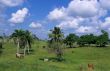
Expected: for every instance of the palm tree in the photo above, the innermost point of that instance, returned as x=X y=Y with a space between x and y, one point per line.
x=55 y=41
x=29 y=39
x=23 y=39
x=17 y=35
x=56 y=34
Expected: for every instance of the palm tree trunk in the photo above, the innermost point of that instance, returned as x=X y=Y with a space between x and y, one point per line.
x=24 y=50
x=18 y=46
x=28 y=47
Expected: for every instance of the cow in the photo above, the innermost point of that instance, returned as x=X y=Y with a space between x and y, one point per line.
x=18 y=55
x=90 y=67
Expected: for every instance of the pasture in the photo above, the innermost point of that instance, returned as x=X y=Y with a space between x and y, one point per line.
x=74 y=58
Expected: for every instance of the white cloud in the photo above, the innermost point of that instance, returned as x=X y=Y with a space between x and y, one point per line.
x=105 y=4
x=11 y=3
x=57 y=14
x=83 y=16
x=106 y=23
x=102 y=12
x=86 y=29
x=19 y=16
x=71 y=23
x=83 y=8
x=86 y=10
x=35 y=25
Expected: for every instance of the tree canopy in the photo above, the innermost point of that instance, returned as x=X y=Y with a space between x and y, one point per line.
x=70 y=39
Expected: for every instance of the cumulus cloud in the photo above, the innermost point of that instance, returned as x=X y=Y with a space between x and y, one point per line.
x=106 y=23
x=70 y=23
x=19 y=16
x=90 y=10
x=86 y=29
x=84 y=8
x=79 y=15
x=11 y=3
x=105 y=4
x=35 y=25
x=57 y=14
x=3 y=6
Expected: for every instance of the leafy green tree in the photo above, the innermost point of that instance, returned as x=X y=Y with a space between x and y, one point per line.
x=103 y=39
x=82 y=40
x=87 y=40
x=70 y=39
x=92 y=39
x=56 y=41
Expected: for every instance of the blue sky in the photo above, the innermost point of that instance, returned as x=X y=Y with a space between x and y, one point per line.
x=39 y=16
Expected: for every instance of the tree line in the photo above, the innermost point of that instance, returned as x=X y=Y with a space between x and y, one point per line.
x=88 y=39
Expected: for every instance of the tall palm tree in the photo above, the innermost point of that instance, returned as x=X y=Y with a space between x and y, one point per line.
x=56 y=34
x=55 y=41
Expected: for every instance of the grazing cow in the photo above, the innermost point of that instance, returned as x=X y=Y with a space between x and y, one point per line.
x=90 y=67
x=18 y=55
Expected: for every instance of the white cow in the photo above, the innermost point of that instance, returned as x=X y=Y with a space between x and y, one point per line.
x=18 y=55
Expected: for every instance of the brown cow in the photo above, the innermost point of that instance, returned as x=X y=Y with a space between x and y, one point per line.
x=90 y=67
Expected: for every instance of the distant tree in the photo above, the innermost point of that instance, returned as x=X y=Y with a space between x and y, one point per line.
x=103 y=39
x=55 y=42
x=92 y=39
x=87 y=40
x=70 y=39
x=82 y=40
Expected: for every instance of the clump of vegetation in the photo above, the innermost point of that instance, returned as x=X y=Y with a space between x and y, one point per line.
x=103 y=39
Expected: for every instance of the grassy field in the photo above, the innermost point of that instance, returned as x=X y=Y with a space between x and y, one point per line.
x=74 y=57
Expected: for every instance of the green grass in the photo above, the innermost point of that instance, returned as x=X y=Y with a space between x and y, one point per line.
x=100 y=57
